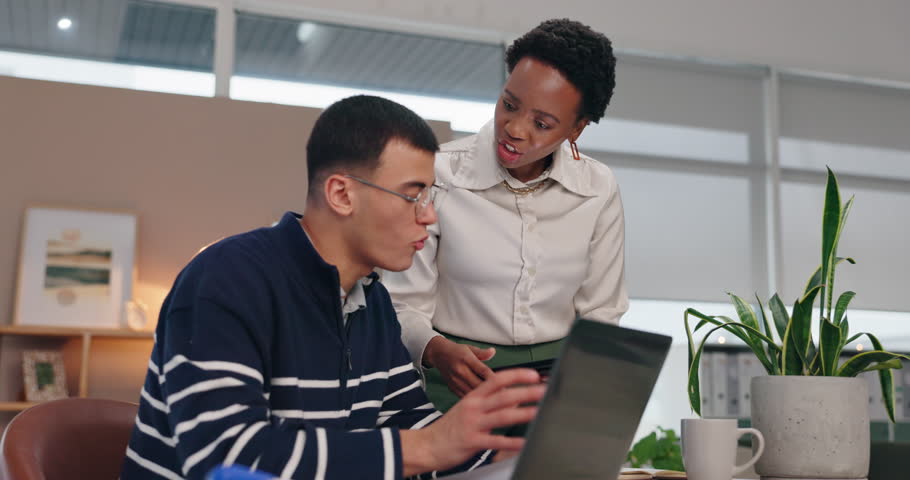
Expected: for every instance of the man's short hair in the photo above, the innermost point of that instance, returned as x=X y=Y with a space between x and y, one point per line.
x=350 y=135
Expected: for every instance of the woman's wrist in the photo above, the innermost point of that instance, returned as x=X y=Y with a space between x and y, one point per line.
x=432 y=348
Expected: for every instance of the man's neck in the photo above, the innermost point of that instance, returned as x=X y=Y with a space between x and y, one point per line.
x=330 y=245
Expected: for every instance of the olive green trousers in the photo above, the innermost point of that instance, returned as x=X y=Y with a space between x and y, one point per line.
x=444 y=399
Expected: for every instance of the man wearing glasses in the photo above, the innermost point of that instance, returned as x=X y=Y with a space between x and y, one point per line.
x=279 y=349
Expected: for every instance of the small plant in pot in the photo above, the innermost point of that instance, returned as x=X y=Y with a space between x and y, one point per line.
x=811 y=408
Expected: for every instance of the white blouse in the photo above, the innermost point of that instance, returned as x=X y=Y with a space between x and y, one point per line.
x=509 y=269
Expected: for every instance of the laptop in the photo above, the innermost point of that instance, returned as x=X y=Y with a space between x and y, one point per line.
x=596 y=396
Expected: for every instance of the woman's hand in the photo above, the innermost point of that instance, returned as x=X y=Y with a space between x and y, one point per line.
x=461 y=366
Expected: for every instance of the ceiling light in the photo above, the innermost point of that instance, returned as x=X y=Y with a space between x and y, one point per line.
x=721 y=340
x=64 y=23
x=305 y=30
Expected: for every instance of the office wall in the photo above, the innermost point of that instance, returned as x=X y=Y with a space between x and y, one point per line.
x=867 y=39
x=193 y=169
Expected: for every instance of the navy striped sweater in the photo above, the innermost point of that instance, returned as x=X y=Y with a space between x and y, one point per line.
x=253 y=365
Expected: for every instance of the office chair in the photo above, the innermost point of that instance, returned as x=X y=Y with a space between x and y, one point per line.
x=73 y=438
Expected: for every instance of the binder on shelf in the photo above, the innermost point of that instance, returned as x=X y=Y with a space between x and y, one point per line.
x=749 y=367
x=705 y=385
x=905 y=375
x=898 y=396
x=733 y=385
x=719 y=383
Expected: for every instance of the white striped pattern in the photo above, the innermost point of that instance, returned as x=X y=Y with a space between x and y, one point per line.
x=151 y=466
x=210 y=416
x=211 y=365
x=388 y=450
x=152 y=432
x=482 y=459
x=322 y=454
x=387 y=414
x=204 y=386
x=402 y=390
x=426 y=420
x=154 y=402
x=325 y=414
x=304 y=383
x=207 y=450
x=241 y=442
x=296 y=455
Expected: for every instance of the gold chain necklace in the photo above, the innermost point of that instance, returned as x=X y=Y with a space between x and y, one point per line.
x=521 y=191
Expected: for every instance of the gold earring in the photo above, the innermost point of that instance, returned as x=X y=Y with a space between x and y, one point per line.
x=574 y=148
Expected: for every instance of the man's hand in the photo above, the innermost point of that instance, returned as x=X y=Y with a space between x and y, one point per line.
x=461 y=366
x=466 y=428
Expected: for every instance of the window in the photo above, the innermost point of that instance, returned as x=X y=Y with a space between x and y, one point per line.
x=315 y=64
x=118 y=43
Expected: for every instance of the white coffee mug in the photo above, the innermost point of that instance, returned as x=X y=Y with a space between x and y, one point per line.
x=709 y=448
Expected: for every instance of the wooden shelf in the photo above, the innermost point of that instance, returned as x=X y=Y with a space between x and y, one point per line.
x=15 y=406
x=72 y=332
x=86 y=335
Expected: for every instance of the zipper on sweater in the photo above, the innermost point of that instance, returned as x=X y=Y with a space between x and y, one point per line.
x=346 y=355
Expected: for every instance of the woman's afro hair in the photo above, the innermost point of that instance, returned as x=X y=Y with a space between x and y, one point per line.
x=583 y=56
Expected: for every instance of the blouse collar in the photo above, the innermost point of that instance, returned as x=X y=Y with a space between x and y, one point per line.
x=481 y=170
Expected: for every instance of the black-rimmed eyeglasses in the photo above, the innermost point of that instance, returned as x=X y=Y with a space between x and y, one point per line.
x=421 y=201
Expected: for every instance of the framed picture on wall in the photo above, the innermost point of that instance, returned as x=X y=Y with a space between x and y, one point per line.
x=75 y=267
x=43 y=375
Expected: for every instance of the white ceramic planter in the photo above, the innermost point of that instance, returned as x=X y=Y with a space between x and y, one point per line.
x=814 y=427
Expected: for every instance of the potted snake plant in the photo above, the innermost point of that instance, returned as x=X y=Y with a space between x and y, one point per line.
x=811 y=408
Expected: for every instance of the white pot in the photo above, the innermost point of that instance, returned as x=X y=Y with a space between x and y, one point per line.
x=814 y=427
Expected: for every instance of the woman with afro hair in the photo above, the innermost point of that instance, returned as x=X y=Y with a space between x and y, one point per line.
x=530 y=232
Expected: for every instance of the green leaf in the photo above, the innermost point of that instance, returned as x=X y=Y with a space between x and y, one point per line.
x=886 y=381
x=885 y=376
x=844 y=331
x=749 y=335
x=766 y=326
x=853 y=338
x=659 y=450
x=831 y=217
x=816 y=279
x=781 y=317
x=643 y=450
x=801 y=325
x=841 y=308
x=791 y=363
x=744 y=311
x=895 y=364
x=747 y=316
x=694 y=362
x=770 y=334
x=840 y=228
x=693 y=388
x=829 y=347
x=861 y=361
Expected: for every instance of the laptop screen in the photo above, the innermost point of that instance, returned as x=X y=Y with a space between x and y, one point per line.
x=594 y=401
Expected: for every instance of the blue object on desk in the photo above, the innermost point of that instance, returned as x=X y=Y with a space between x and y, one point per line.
x=237 y=473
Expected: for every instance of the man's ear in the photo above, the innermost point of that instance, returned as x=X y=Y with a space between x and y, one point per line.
x=578 y=128
x=338 y=194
